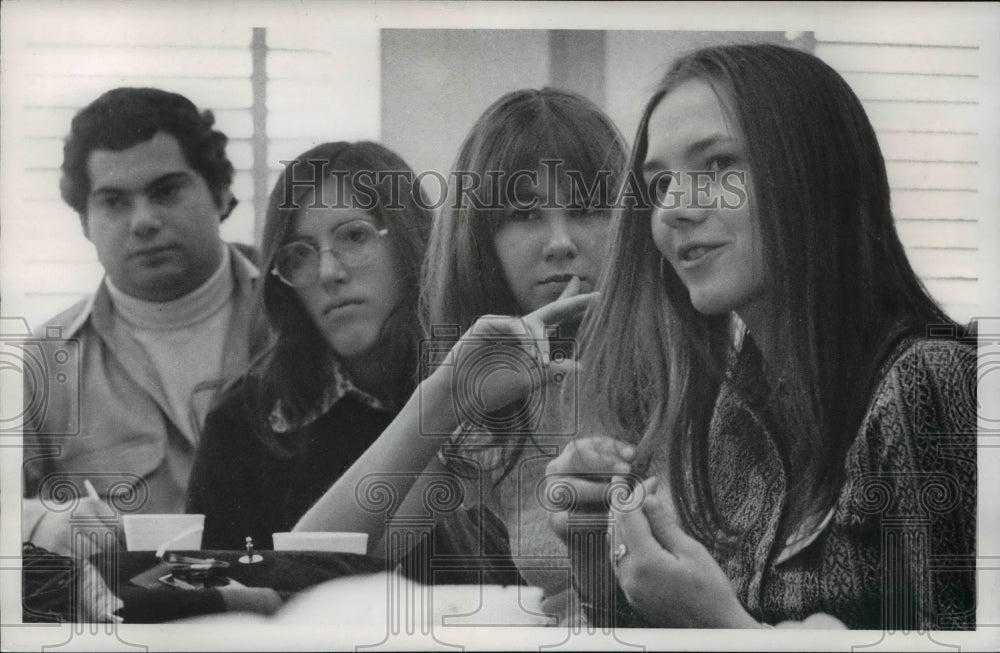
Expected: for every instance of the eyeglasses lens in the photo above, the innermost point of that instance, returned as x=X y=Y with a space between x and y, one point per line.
x=353 y=243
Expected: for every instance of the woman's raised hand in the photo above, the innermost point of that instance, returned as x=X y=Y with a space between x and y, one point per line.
x=668 y=576
x=502 y=359
x=578 y=479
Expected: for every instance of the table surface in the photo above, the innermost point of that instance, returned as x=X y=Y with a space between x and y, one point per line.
x=285 y=572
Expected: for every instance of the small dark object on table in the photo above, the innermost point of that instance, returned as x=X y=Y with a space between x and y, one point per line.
x=286 y=572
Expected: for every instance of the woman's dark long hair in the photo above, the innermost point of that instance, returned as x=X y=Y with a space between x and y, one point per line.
x=463 y=277
x=842 y=292
x=296 y=368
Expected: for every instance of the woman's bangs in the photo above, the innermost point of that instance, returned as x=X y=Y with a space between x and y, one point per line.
x=521 y=151
x=577 y=157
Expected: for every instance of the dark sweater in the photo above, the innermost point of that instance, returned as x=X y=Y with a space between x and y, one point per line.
x=244 y=488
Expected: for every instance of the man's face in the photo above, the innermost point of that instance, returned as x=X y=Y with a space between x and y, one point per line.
x=152 y=219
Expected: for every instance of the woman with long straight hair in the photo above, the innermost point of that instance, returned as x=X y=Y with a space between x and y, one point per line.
x=546 y=165
x=343 y=245
x=523 y=233
x=763 y=352
x=556 y=160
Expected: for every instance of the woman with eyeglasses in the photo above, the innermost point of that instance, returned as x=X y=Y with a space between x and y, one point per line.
x=342 y=249
x=523 y=233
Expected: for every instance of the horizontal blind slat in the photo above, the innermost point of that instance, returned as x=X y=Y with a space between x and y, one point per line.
x=86 y=61
x=944 y=264
x=928 y=147
x=932 y=233
x=882 y=86
x=934 y=205
x=873 y=57
x=215 y=94
x=919 y=175
x=915 y=116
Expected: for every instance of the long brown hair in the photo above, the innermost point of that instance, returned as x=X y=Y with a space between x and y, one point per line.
x=843 y=291
x=297 y=366
x=463 y=276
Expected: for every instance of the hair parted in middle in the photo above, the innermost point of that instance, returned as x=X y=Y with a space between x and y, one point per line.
x=463 y=275
x=296 y=367
x=842 y=292
x=517 y=134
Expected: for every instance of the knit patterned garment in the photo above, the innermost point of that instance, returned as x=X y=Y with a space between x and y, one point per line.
x=898 y=549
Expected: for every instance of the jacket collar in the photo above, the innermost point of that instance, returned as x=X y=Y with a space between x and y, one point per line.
x=98 y=304
x=339 y=388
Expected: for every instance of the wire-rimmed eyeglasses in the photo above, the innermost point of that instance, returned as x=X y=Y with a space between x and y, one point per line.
x=352 y=243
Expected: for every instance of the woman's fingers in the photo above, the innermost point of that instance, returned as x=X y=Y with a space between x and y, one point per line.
x=587 y=493
x=572 y=288
x=502 y=359
x=564 y=308
x=584 y=469
x=631 y=527
x=537 y=326
x=665 y=523
x=594 y=455
x=667 y=576
x=577 y=480
x=531 y=329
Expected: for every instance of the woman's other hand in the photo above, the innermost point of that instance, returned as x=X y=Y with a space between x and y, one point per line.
x=668 y=576
x=578 y=479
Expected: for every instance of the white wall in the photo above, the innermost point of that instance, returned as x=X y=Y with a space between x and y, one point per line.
x=435 y=83
x=636 y=61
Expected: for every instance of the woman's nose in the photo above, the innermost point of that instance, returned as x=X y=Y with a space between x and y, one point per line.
x=331 y=268
x=686 y=201
x=561 y=241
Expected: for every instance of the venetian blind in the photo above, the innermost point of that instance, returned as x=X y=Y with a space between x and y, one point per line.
x=923 y=100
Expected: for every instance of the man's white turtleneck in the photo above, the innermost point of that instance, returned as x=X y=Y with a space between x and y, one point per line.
x=184 y=339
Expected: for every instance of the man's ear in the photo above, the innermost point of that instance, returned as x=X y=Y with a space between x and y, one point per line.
x=226 y=203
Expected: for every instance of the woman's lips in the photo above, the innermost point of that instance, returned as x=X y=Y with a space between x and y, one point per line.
x=560 y=278
x=557 y=283
x=339 y=307
x=557 y=278
x=694 y=254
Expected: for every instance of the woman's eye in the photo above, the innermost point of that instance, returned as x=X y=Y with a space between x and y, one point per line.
x=658 y=184
x=521 y=215
x=720 y=162
x=358 y=236
x=353 y=235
